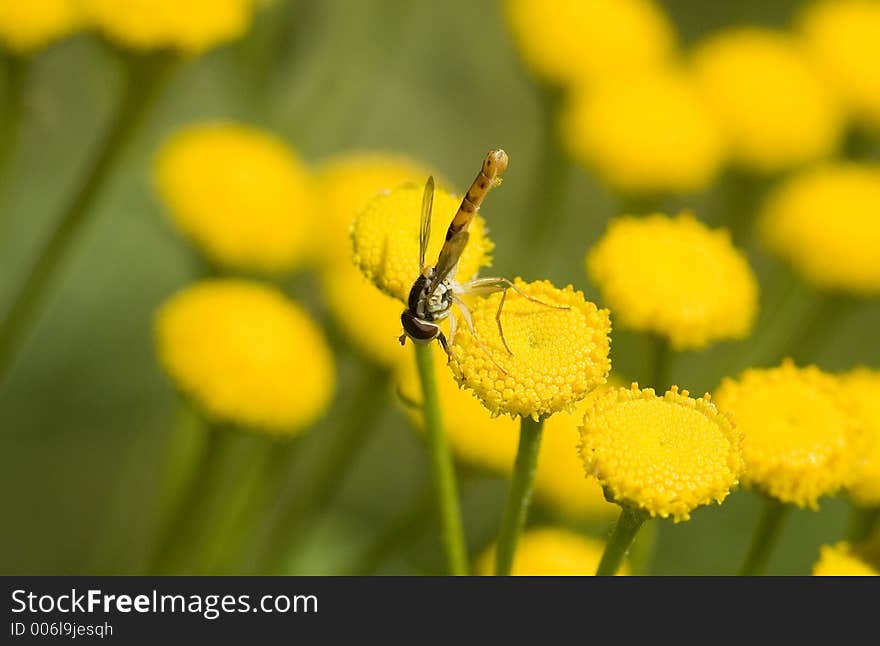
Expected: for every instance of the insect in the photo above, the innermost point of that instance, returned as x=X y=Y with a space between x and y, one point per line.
x=435 y=291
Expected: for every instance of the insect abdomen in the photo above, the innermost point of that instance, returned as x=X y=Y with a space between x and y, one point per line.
x=494 y=164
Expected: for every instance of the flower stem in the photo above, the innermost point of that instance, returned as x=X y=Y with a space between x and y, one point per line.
x=441 y=465
x=16 y=81
x=818 y=329
x=765 y=538
x=631 y=519
x=145 y=75
x=862 y=521
x=519 y=495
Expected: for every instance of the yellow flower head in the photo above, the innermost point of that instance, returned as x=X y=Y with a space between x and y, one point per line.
x=556 y=356
x=491 y=443
x=246 y=354
x=191 y=27
x=369 y=319
x=774 y=107
x=838 y=560
x=646 y=133
x=573 y=41
x=843 y=38
x=385 y=236
x=800 y=439
x=28 y=25
x=825 y=222
x=241 y=194
x=862 y=391
x=666 y=455
x=347 y=183
x=551 y=552
x=675 y=277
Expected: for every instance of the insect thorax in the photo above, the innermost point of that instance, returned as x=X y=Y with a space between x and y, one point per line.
x=430 y=306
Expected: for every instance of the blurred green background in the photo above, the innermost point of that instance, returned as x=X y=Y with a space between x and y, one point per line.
x=86 y=417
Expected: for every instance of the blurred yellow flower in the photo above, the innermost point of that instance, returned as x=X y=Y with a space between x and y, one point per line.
x=347 y=183
x=666 y=455
x=843 y=37
x=240 y=193
x=191 y=27
x=801 y=442
x=862 y=391
x=557 y=356
x=838 y=560
x=246 y=354
x=28 y=25
x=576 y=41
x=646 y=133
x=771 y=102
x=369 y=318
x=551 y=552
x=491 y=443
x=675 y=277
x=385 y=236
x=824 y=221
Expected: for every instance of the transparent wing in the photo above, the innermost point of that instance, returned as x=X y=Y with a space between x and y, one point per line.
x=425 y=223
x=448 y=259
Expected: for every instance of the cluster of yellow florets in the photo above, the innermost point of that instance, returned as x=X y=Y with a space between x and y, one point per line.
x=647 y=133
x=862 y=392
x=825 y=222
x=385 y=235
x=554 y=352
x=240 y=193
x=839 y=560
x=666 y=455
x=191 y=27
x=801 y=440
x=775 y=108
x=491 y=442
x=246 y=354
x=843 y=38
x=551 y=552
x=674 y=277
x=580 y=41
x=28 y=25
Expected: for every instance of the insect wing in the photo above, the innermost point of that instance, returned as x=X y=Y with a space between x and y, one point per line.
x=448 y=259
x=425 y=222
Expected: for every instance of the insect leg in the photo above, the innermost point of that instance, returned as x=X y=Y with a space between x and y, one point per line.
x=469 y=321
x=453 y=324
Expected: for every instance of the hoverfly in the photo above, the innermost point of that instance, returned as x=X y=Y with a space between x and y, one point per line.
x=435 y=291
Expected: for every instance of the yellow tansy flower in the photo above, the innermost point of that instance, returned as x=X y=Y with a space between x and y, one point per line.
x=385 y=236
x=647 y=133
x=246 y=354
x=556 y=356
x=862 y=391
x=347 y=183
x=192 y=26
x=573 y=41
x=838 y=560
x=675 y=277
x=774 y=107
x=843 y=37
x=665 y=455
x=29 y=25
x=551 y=552
x=481 y=440
x=241 y=194
x=369 y=318
x=825 y=222
x=800 y=439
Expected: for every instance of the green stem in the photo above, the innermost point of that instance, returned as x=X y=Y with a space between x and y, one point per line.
x=144 y=78
x=824 y=319
x=642 y=551
x=551 y=174
x=660 y=356
x=517 y=508
x=328 y=471
x=862 y=521
x=442 y=469
x=766 y=536
x=631 y=519
x=16 y=81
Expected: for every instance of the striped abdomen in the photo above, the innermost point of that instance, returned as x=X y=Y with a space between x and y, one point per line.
x=489 y=176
